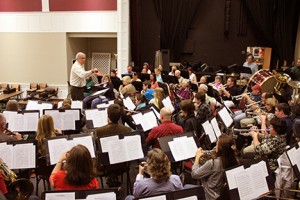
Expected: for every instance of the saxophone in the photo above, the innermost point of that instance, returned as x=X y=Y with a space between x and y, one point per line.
x=7 y=174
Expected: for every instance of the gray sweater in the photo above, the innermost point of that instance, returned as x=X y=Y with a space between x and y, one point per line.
x=211 y=174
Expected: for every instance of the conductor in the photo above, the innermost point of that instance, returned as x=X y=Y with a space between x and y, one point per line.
x=78 y=77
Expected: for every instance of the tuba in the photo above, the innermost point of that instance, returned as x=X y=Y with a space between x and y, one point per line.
x=282 y=79
x=18 y=189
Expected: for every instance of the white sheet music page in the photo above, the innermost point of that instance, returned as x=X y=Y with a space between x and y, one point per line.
x=86 y=141
x=160 y=197
x=216 y=128
x=105 y=105
x=155 y=112
x=10 y=119
x=100 y=92
x=137 y=118
x=24 y=156
x=230 y=175
x=128 y=103
x=167 y=103
x=60 y=196
x=208 y=129
x=6 y=154
x=77 y=104
x=31 y=121
x=56 y=118
x=225 y=116
x=105 y=142
x=134 y=147
x=117 y=152
x=183 y=148
x=102 y=196
x=189 y=198
x=149 y=121
x=69 y=117
x=56 y=148
x=99 y=117
x=245 y=189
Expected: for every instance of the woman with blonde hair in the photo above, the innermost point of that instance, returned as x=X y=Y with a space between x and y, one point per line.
x=158 y=167
x=159 y=95
x=45 y=130
x=127 y=89
x=79 y=172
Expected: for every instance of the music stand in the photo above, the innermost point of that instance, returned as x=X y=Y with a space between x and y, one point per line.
x=144 y=77
x=164 y=86
x=185 y=74
x=236 y=69
x=138 y=85
x=123 y=75
x=170 y=79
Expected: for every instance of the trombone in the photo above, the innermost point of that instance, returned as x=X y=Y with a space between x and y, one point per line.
x=239 y=97
x=252 y=104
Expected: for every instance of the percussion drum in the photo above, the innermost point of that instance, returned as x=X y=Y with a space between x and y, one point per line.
x=265 y=79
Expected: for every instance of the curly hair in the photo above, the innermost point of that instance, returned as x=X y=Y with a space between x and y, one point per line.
x=45 y=130
x=159 y=166
x=79 y=166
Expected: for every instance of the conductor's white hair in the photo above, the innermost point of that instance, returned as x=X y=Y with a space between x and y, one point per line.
x=79 y=54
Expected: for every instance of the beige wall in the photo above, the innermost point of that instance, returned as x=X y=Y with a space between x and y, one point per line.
x=33 y=57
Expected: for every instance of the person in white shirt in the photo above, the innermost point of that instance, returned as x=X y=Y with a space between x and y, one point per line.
x=78 y=77
x=250 y=62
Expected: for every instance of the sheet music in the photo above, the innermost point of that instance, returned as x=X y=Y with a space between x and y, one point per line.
x=149 y=121
x=106 y=141
x=160 y=197
x=183 y=148
x=74 y=104
x=225 y=116
x=99 y=117
x=64 y=120
x=245 y=191
x=24 y=156
x=129 y=148
x=189 y=198
x=208 y=129
x=6 y=154
x=60 y=196
x=137 y=118
x=56 y=148
x=155 y=112
x=106 y=104
x=167 y=103
x=230 y=174
x=128 y=103
x=293 y=154
x=216 y=128
x=35 y=105
x=20 y=122
x=86 y=141
x=102 y=196
x=263 y=166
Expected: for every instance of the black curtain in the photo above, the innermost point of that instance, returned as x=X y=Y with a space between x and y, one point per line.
x=175 y=17
x=135 y=32
x=275 y=23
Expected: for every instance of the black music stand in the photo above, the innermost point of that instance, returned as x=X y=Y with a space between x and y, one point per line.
x=123 y=75
x=236 y=69
x=164 y=86
x=116 y=82
x=185 y=74
x=170 y=79
x=138 y=85
x=144 y=77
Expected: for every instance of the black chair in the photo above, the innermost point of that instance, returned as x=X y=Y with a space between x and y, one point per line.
x=43 y=172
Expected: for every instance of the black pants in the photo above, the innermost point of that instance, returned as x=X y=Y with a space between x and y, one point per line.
x=77 y=93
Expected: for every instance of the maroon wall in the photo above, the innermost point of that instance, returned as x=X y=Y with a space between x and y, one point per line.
x=82 y=5
x=20 y=5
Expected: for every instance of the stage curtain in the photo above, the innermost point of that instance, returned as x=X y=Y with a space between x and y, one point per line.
x=175 y=17
x=275 y=22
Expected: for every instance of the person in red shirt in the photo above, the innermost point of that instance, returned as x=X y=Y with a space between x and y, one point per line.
x=79 y=173
x=166 y=128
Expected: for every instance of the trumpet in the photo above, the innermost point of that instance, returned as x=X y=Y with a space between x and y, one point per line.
x=252 y=104
x=246 y=132
x=239 y=97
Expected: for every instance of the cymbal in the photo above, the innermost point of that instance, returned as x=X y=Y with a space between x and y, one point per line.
x=294 y=84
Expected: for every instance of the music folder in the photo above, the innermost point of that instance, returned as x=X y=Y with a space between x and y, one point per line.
x=120 y=148
x=211 y=128
x=179 y=147
x=25 y=121
x=225 y=117
x=95 y=117
x=293 y=154
x=170 y=79
x=65 y=119
x=111 y=193
x=19 y=154
x=249 y=182
x=56 y=146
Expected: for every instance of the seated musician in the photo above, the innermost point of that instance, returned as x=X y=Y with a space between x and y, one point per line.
x=179 y=77
x=127 y=89
x=184 y=92
x=159 y=95
x=190 y=122
x=129 y=70
x=5 y=134
x=107 y=96
x=167 y=127
x=250 y=63
x=146 y=69
x=153 y=81
x=217 y=84
x=253 y=99
x=203 y=80
x=157 y=72
x=79 y=172
x=161 y=179
x=173 y=69
x=125 y=118
x=45 y=130
x=231 y=90
x=147 y=90
x=135 y=77
x=211 y=170
x=12 y=105
x=202 y=89
x=192 y=76
x=271 y=145
x=141 y=102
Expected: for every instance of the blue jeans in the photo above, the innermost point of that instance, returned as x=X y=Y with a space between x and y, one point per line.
x=95 y=101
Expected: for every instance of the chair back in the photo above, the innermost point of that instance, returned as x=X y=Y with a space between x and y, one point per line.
x=16 y=86
x=42 y=85
x=33 y=86
x=42 y=168
x=3 y=86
